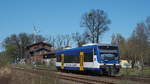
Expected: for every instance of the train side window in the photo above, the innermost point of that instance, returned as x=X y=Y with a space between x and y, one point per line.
x=58 y=58
x=78 y=59
x=66 y=59
x=88 y=57
x=71 y=59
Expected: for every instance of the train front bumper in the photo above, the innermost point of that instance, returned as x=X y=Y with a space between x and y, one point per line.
x=110 y=66
x=113 y=68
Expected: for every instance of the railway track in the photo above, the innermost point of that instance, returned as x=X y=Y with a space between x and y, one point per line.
x=130 y=78
x=90 y=79
x=83 y=79
x=73 y=78
x=137 y=79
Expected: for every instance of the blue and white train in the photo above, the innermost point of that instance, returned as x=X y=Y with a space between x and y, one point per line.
x=103 y=59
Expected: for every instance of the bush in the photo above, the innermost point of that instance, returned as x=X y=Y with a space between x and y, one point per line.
x=4 y=59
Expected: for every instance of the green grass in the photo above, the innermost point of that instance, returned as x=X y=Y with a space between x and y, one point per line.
x=135 y=72
x=49 y=67
x=26 y=66
x=30 y=66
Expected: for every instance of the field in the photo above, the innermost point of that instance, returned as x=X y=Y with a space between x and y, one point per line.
x=135 y=72
x=14 y=76
x=9 y=75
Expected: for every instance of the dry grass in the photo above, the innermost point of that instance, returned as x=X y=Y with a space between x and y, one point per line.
x=14 y=76
x=5 y=76
x=4 y=71
x=26 y=77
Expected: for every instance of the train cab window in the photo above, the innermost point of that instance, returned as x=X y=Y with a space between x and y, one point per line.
x=109 y=56
x=94 y=51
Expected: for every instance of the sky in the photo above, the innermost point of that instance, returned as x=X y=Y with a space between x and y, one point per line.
x=53 y=17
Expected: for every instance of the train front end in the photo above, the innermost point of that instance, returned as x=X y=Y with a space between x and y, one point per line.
x=109 y=59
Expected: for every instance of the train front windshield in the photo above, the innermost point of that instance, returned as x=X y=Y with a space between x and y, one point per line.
x=109 y=52
x=109 y=56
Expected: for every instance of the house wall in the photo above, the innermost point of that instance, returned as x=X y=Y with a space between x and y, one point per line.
x=36 y=56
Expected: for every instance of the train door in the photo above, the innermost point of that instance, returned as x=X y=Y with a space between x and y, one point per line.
x=81 y=61
x=62 y=61
x=95 y=63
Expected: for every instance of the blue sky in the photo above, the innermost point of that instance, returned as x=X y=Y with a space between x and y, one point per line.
x=63 y=16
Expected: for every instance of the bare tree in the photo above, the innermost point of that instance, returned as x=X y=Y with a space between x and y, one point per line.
x=52 y=40
x=67 y=39
x=15 y=45
x=79 y=38
x=148 y=27
x=118 y=39
x=36 y=38
x=148 y=35
x=95 y=22
x=138 y=44
x=62 y=41
x=24 y=40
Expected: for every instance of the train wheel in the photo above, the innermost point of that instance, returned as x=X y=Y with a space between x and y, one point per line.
x=111 y=72
x=100 y=73
x=58 y=69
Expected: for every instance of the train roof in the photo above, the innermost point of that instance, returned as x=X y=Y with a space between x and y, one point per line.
x=85 y=48
x=91 y=44
x=76 y=49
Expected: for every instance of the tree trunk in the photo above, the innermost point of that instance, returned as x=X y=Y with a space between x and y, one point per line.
x=132 y=63
x=93 y=40
x=97 y=39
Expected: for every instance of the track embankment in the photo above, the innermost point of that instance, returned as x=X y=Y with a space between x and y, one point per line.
x=87 y=79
